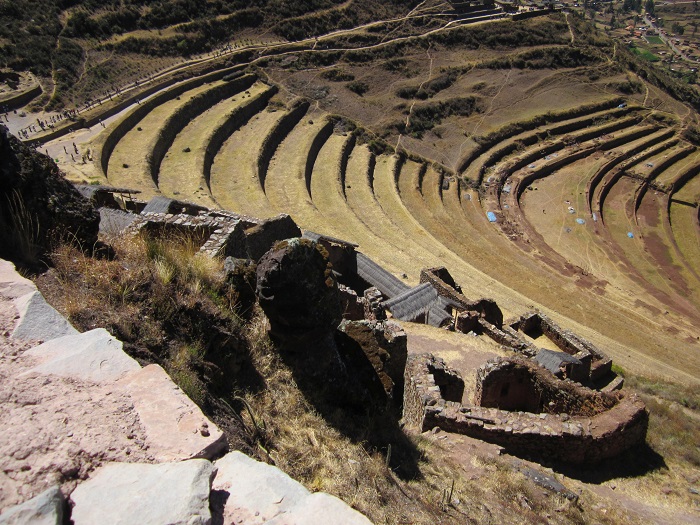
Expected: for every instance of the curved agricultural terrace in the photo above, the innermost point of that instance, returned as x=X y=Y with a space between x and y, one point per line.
x=548 y=188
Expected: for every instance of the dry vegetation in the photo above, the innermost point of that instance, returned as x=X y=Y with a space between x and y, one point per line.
x=168 y=304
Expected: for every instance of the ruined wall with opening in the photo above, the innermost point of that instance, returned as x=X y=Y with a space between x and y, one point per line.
x=551 y=436
x=595 y=364
x=519 y=384
x=421 y=389
x=444 y=284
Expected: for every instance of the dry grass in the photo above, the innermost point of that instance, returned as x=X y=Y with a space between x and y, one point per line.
x=297 y=439
x=158 y=296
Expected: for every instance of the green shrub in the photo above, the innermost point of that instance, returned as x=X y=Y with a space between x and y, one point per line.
x=337 y=75
x=358 y=87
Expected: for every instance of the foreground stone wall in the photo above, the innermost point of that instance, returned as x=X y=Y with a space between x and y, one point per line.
x=555 y=437
x=88 y=435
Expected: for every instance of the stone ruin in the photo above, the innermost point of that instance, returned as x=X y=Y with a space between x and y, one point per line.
x=524 y=409
x=357 y=362
x=306 y=286
x=577 y=359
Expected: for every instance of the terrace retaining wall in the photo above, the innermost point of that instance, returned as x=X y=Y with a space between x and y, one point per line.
x=344 y=158
x=523 y=127
x=183 y=115
x=272 y=141
x=319 y=140
x=237 y=119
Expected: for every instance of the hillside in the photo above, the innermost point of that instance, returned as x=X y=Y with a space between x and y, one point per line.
x=537 y=157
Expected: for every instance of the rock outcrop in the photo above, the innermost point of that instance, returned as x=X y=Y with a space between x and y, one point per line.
x=81 y=419
x=384 y=344
x=297 y=290
x=38 y=205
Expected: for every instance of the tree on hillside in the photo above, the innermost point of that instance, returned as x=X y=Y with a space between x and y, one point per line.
x=649 y=7
x=677 y=29
x=632 y=5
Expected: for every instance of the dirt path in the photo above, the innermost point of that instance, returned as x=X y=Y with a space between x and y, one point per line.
x=571 y=31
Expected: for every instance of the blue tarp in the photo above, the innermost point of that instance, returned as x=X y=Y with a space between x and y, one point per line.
x=580 y=221
x=491 y=216
x=630 y=235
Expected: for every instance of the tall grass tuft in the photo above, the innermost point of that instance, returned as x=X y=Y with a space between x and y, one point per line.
x=20 y=235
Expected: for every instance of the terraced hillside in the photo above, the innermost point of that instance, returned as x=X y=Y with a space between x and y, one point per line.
x=588 y=211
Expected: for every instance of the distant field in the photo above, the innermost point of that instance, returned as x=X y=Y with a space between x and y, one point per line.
x=654 y=40
x=408 y=168
x=645 y=54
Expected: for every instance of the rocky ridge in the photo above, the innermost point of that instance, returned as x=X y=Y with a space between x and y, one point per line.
x=86 y=433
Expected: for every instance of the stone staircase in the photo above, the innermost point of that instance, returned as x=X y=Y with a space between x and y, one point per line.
x=90 y=436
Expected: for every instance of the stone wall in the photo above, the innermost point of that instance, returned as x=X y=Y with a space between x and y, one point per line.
x=217 y=233
x=446 y=287
x=519 y=384
x=595 y=364
x=557 y=437
x=507 y=337
x=422 y=391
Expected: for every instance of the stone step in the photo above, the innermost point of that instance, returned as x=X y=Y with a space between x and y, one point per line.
x=128 y=493
x=257 y=493
x=175 y=427
x=90 y=356
x=37 y=320
x=45 y=509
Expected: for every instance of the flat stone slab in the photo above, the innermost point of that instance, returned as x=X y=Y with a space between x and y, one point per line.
x=91 y=356
x=12 y=284
x=130 y=493
x=175 y=427
x=257 y=493
x=320 y=508
x=38 y=320
x=45 y=509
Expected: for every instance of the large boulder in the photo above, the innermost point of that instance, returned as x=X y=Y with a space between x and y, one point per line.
x=38 y=205
x=297 y=290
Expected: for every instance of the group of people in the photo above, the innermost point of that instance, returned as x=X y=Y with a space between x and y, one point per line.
x=50 y=122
